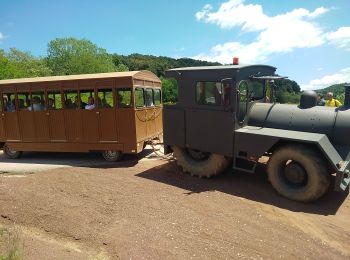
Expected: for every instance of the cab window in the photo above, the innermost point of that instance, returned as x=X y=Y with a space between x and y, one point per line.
x=213 y=93
x=256 y=90
x=251 y=90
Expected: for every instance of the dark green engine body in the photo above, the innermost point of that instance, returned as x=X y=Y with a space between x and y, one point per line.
x=245 y=131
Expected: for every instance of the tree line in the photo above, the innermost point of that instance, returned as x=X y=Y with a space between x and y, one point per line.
x=69 y=56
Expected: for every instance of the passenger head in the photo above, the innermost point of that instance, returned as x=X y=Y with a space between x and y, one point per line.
x=329 y=95
x=21 y=103
x=36 y=100
x=319 y=97
x=50 y=103
x=91 y=101
x=68 y=103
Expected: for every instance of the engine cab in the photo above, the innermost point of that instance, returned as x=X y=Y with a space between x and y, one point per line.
x=212 y=102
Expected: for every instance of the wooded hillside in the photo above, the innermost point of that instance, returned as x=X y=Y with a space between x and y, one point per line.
x=69 y=56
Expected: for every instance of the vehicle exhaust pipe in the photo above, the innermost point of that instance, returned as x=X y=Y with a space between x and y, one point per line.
x=347 y=95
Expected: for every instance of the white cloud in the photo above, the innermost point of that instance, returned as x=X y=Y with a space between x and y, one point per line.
x=342 y=76
x=2 y=36
x=276 y=34
x=318 y=11
x=340 y=38
x=234 y=13
x=251 y=53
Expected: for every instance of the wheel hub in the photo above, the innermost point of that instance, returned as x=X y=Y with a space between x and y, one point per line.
x=295 y=174
x=111 y=153
x=9 y=151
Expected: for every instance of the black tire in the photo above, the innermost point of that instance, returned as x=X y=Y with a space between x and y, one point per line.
x=299 y=173
x=11 y=154
x=112 y=156
x=207 y=166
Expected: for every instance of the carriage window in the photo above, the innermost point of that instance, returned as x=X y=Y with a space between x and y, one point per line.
x=9 y=102
x=87 y=99
x=124 y=97
x=149 y=97
x=139 y=99
x=37 y=101
x=23 y=100
x=208 y=93
x=105 y=98
x=157 y=97
x=54 y=100
x=71 y=99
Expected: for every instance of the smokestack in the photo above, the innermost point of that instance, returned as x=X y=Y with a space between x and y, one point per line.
x=347 y=95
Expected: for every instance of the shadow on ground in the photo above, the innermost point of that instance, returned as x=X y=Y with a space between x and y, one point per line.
x=90 y=160
x=253 y=187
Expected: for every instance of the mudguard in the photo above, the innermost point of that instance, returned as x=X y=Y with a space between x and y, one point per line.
x=254 y=142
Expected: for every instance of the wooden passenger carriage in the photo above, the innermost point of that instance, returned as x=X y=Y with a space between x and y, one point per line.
x=49 y=113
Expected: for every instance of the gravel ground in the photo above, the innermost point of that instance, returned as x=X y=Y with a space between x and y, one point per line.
x=149 y=209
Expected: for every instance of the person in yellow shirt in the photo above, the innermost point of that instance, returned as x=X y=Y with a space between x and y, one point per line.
x=332 y=102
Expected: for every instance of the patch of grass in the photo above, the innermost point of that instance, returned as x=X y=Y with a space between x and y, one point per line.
x=11 y=245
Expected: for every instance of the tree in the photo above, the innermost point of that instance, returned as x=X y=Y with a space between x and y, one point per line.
x=7 y=70
x=295 y=87
x=158 y=65
x=287 y=91
x=68 y=56
x=121 y=67
x=170 y=90
x=18 y=64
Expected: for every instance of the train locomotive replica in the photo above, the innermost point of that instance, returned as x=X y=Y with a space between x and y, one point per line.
x=225 y=117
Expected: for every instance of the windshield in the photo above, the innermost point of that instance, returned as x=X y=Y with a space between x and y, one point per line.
x=251 y=90
x=256 y=89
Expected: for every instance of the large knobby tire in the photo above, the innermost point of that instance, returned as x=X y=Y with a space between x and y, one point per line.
x=208 y=166
x=112 y=156
x=298 y=172
x=11 y=154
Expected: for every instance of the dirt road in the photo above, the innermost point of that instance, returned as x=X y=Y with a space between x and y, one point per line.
x=149 y=209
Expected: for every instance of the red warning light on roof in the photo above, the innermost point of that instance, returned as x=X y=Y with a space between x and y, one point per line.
x=235 y=60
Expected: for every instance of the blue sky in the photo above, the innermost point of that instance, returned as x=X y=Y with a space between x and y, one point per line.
x=308 y=41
